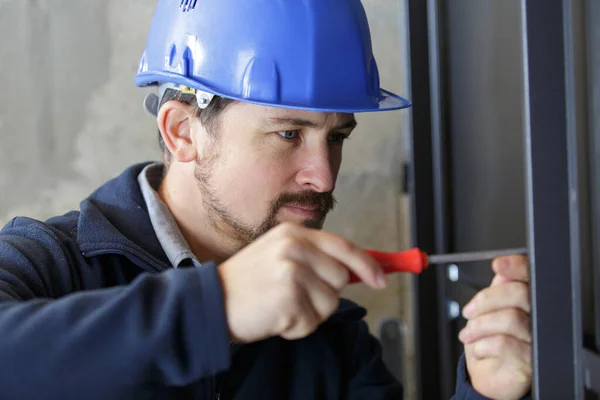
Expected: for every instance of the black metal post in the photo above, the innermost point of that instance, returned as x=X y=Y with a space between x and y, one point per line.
x=552 y=199
x=593 y=78
x=435 y=377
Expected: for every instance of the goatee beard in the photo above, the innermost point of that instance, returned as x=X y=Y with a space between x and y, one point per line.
x=238 y=231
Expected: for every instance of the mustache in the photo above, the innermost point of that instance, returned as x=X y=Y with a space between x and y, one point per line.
x=324 y=201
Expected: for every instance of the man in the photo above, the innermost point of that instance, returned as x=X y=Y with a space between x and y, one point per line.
x=208 y=276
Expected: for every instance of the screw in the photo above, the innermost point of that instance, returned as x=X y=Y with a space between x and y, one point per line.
x=453 y=309
x=453 y=272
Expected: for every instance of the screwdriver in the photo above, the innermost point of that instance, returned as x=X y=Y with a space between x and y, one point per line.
x=416 y=261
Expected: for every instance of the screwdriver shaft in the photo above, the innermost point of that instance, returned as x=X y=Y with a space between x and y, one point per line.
x=456 y=258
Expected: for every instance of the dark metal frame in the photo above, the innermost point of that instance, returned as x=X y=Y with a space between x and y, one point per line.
x=552 y=202
x=427 y=184
x=593 y=77
x=562 y=367
x=591 y=359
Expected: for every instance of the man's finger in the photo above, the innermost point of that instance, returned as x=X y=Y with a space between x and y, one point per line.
x=306 y=318
x=323 y=298
x=500 y=346
x=509 y=321
x=499 y=280
x=350 y=255
x=324 y=266
x=514 y=268
x=493 y=298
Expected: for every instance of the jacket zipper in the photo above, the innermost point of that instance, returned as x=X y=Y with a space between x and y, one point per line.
x=142 y=262
x=217 y=391
x=219 y=379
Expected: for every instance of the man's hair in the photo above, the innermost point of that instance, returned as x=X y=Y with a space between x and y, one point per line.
x=208 y=116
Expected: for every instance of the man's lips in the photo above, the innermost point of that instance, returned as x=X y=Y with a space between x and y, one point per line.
x=304 y=207
x=310 y=211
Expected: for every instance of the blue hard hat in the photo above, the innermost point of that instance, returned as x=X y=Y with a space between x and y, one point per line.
x=305 y=54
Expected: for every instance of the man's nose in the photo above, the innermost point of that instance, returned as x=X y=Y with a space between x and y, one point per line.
x=317 y=173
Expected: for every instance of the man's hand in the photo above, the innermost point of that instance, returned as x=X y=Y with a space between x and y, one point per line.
x=497 y=337
x=287 y=282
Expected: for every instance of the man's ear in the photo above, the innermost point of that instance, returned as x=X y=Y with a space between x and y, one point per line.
x=175 y=124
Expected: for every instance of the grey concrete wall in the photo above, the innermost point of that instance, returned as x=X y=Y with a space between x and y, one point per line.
x=71 y=118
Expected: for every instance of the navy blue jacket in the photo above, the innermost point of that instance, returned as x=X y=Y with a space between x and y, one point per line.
x=90 y=309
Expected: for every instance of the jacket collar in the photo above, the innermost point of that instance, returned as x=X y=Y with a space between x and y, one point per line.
x=114 y=218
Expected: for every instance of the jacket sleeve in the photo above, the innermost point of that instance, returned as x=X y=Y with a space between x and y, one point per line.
x=464 y=390
x=161 y=330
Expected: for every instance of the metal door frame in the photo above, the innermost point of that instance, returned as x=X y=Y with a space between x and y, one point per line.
x=563 y=368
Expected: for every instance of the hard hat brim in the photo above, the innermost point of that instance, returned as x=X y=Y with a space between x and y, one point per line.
x=388 y=101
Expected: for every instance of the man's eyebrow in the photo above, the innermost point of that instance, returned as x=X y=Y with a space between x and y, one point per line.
x=306 y=123
x=295 y=122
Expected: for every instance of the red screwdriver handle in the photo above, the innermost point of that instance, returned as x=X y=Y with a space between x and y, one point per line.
x=412 y=261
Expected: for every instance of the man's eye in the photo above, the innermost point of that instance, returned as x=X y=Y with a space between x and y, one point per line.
x=288 y=135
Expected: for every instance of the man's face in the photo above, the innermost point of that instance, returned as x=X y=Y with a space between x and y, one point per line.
x=269 y=165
